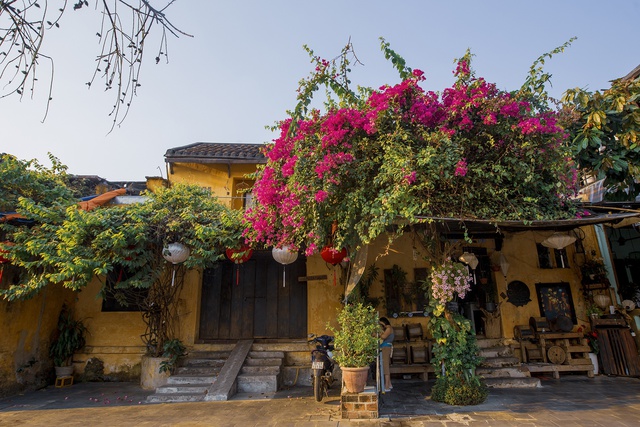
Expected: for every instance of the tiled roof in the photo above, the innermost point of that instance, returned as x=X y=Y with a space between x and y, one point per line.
x=633 y=74
x=216 y=152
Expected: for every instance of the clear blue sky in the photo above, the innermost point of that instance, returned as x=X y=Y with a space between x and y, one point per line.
x=240 y=71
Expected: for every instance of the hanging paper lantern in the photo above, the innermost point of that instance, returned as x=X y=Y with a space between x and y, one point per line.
x=558 y=241
x=602 y=301
x=504 y=265
x=239 y=256
x=333 y=256
x=4 y=260
x=470 y=259
x=284 y=256
x=176 y=253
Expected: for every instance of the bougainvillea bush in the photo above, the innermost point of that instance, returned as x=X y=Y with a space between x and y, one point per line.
x=400 y=154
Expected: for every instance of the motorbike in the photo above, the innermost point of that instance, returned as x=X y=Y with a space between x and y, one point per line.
x=322 y=365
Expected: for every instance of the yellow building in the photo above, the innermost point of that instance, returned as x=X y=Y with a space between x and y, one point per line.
x=278 y=304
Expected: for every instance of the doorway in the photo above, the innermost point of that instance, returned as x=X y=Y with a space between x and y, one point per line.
x=249 y=300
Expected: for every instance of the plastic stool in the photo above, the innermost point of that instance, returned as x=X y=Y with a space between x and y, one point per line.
x=64 y=382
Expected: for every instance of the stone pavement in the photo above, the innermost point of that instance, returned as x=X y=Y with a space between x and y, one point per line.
x=572 y=400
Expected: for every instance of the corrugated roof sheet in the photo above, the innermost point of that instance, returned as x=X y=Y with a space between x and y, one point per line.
x=216 y=152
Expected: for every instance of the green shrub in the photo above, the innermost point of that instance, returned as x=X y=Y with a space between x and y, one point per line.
x=356 y=341
x=457 y=391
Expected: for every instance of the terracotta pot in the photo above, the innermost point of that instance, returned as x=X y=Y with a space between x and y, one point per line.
x=355 y=379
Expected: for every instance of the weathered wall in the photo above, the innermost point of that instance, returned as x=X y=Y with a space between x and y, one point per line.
x=27 y=328
x=115 y=337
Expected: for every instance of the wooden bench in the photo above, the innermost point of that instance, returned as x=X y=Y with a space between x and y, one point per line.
x=556 y=369
x=415 y=368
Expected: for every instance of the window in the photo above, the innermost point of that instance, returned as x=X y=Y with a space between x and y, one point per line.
x=544 y=257
x=127 y=299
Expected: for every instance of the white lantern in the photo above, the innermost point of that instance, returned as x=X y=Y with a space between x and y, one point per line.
x=504 y=265
x=284 y=256
x=558 y=241
x=176 y=253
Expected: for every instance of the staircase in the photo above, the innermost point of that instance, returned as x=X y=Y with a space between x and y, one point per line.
x=218 y=375
x=192 y=379
x=501 y=369
x=261 y=372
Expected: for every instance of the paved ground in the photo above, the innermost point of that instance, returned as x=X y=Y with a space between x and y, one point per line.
x=570 y=401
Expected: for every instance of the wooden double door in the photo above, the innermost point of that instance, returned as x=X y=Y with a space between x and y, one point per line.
x=250 y=300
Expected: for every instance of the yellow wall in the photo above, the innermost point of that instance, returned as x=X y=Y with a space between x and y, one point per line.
x=115 y=337
x=225 y=182
x=27 y=328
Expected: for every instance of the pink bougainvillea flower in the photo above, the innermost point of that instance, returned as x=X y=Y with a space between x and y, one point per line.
x=461 y=168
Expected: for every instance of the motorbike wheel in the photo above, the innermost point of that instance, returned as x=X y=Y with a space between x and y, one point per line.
x=318 y=389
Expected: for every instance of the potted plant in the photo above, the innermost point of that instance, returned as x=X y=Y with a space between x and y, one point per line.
x=593 y=310
x=69 y=338
x=356 y=344
x=593 y=270
x=173 y=350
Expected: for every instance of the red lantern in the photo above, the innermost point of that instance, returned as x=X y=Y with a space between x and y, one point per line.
x=4 y=260
x=333 y=256
x=239 y=256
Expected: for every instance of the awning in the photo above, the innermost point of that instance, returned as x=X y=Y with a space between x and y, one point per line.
x=101 y=199
x=476 y=227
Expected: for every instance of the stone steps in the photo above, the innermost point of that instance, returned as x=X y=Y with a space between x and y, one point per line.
x=526 y=382
x=192 y=379
x=500 y=362
x=261 y=372
x=502 y=372
x=500 y=368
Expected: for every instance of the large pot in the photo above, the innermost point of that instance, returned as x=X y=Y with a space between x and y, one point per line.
x=64 y=371
x=355 y=379
x=150 y=376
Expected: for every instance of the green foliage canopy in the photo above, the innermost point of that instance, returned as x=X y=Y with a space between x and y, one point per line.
x=68 y=246
x=605 y=135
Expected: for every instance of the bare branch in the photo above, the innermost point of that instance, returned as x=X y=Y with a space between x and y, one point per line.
x=126 y=24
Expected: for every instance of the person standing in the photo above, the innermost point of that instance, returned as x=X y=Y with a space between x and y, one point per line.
x=386 y=348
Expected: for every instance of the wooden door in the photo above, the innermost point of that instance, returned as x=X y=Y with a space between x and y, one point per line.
x=249 y=300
